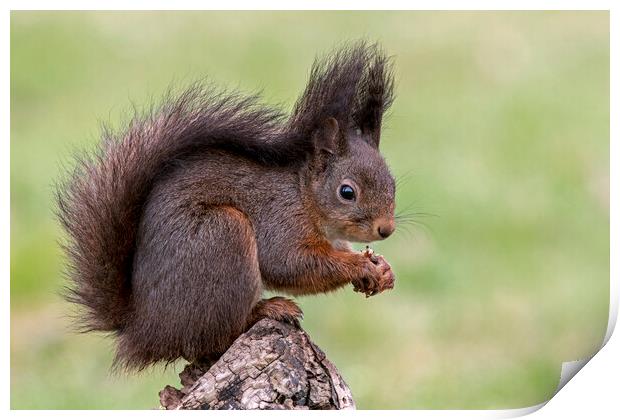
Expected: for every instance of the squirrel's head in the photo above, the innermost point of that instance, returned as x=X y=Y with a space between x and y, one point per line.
x=340 y=112
x=352 y=186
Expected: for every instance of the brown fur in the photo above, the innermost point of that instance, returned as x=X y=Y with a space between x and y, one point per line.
x=178 y=224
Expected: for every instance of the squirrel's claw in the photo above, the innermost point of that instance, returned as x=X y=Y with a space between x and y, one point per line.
x=382 y=280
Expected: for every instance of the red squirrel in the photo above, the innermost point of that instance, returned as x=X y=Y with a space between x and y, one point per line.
x=176 y=225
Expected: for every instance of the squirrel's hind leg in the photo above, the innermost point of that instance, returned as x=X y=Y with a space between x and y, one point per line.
x=192 y=296
x=278 y=308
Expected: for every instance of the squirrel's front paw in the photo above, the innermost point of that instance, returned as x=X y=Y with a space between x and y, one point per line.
x=379 y=275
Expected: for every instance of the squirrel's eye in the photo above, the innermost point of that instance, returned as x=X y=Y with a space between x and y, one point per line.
x=347 y=192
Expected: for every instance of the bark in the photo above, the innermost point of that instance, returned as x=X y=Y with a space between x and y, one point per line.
x=271 y=366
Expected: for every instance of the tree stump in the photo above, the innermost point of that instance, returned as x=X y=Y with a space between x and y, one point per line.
x=271 y=366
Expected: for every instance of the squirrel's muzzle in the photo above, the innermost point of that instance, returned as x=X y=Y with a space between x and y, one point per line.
x=385 y=228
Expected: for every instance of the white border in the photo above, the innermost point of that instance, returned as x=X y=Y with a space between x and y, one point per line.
x=594 y=392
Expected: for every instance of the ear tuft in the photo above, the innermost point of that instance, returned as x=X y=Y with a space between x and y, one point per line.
x=326 y=137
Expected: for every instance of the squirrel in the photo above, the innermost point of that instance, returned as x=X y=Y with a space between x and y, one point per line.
x=178 y=223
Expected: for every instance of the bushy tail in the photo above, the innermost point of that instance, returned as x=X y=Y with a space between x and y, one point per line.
x=100 y=205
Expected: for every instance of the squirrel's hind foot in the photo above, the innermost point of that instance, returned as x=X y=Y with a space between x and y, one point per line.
x=278 y=308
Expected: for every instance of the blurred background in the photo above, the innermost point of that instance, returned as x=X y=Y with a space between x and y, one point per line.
x=500 y=139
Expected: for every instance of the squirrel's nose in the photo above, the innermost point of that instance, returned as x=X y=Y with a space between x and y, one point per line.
x=386 y=229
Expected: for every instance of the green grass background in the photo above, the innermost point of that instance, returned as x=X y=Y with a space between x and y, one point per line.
x=500 y=130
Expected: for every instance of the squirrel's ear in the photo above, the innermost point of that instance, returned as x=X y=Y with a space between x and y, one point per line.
x=373 y=137
x=326 y=137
